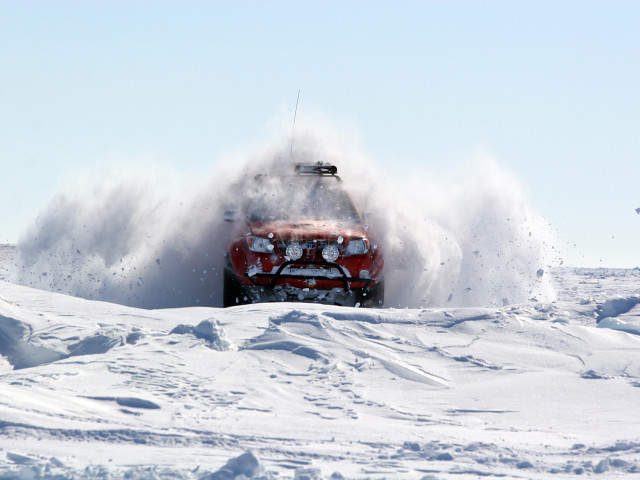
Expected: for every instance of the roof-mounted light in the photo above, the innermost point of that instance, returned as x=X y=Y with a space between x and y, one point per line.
x=319 y=168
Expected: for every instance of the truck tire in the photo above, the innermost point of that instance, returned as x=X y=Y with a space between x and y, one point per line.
x=233 y=291
x=373 y=297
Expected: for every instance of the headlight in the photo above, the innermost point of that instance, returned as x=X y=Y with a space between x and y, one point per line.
x=357 y=246
x=330 y=253
x=294 y=251
x=259 y=244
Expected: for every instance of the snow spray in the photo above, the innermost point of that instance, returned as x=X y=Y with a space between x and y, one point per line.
x=141 y=240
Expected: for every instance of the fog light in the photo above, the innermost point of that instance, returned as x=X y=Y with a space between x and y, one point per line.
x=294 y=251
x=364 y=273
x=330 y=253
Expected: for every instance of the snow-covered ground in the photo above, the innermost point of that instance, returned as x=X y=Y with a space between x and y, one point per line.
x=535 y=390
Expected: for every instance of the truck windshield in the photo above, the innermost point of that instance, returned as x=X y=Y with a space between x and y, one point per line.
x=300 y=198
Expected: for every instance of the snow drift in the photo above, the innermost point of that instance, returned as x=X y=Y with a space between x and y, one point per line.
x=141 y=240
x=298 y=391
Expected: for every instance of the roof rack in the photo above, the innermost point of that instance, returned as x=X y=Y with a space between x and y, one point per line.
x=319 y=168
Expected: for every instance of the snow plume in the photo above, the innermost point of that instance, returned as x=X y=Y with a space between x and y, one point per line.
x=140 y=240
x=471 y=241
x=135 y=239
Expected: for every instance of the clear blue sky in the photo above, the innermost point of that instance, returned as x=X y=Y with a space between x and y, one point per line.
x=551 y=89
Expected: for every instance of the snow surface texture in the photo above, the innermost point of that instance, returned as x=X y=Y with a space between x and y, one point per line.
x=303 y=391
x=141 y=241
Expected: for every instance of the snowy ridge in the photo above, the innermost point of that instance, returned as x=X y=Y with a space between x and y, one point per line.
x=98 y=390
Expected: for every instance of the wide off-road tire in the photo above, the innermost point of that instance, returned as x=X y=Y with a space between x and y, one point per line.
x=372 y=297
x=233 y=291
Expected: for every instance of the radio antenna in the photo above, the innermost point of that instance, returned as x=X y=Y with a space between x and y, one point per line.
x=294 y=125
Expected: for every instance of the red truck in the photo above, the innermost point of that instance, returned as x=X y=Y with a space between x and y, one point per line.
x=298 y=237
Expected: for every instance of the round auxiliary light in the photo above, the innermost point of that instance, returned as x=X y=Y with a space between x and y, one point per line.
x=330 y=253
x=294 y=251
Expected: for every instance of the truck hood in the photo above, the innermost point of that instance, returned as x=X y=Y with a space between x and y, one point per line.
x=314 y=229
